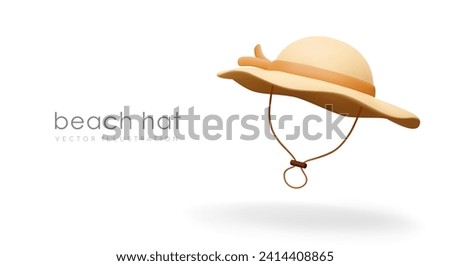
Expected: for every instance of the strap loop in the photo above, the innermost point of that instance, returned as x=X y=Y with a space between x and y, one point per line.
x=291 y=186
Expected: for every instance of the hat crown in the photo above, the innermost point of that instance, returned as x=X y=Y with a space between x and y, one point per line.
x=329 y=54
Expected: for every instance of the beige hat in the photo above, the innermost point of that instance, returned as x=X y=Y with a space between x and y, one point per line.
x=322 y=71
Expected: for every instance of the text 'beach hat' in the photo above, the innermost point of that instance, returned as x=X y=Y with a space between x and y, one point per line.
x=322 y=71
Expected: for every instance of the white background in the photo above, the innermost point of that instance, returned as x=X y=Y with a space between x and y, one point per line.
x=381 y=199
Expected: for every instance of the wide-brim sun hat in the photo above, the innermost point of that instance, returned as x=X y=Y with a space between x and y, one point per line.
x=323 y=71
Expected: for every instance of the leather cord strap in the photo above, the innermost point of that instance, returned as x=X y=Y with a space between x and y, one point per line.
x=302 y=165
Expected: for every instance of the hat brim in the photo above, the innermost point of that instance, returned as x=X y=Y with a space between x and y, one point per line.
x=344 y=101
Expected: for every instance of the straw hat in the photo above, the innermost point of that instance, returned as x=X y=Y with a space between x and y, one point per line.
x=321 y=71
x=324 y=72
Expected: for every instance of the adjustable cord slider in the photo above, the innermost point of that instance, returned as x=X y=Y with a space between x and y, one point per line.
x=298 y=164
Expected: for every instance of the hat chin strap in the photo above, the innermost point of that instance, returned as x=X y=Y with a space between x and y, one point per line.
x=302 y=165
